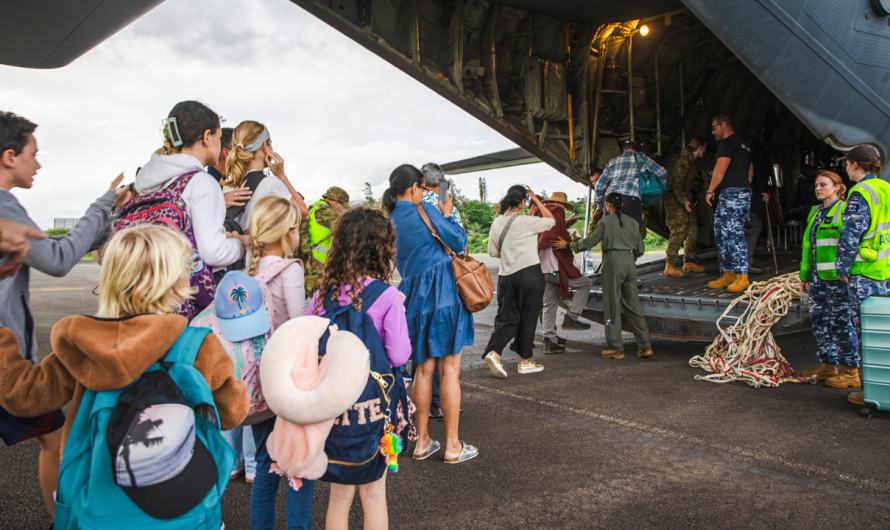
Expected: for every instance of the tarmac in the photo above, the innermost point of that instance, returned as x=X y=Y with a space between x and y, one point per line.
x=588 y=443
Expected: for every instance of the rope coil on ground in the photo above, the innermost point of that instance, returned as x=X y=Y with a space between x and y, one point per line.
x=746 y=351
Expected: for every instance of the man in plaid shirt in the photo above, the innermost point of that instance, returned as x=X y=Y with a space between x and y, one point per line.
x=622 y=176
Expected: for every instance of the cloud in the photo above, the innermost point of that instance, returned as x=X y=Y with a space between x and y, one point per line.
x=338 y=114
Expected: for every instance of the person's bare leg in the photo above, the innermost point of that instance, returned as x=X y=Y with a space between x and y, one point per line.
x=339 y=503
x=373 y=497
x=49 y=462
x=422 y=394
x=449 y=395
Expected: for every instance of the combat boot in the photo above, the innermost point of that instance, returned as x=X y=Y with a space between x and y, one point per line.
x=691 y=266
x=671 y=270
x=848 y=377
x=570 y=323
x=856 y=398
x=822 y=373
x=613 y=354
x=724 y=281
x=551 y=348
x=739 y=285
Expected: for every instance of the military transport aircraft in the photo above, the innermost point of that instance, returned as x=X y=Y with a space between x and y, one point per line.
x=567 y=80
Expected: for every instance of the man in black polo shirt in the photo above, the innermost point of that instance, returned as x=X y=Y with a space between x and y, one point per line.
x=732 y=178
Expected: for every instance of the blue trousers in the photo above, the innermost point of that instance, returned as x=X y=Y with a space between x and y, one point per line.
x=830 y=315
x=265 y=487
x=729 y=228
x=241 y=441
x=861 y=288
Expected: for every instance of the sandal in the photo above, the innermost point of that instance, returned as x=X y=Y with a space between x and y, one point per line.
x=468 y=452
x=434 y=446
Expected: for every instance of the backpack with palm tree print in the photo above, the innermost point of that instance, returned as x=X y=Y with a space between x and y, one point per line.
x=149 y=455
x=246 y=354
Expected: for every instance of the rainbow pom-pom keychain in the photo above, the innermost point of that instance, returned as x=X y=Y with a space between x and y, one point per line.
x=391 y=446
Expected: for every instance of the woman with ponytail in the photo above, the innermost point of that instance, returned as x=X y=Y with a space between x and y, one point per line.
x=251 y=153
x=192 y=142
x=679 y=214
x=514 y=239
x=439 y=324
x=275 y=233
x=836 y=339
x=622 y=246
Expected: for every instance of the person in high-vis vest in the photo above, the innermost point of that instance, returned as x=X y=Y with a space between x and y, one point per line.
x=836 y=339
x=863 y=251
x=315 y=234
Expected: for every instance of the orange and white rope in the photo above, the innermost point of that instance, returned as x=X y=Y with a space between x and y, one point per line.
x=746 y=351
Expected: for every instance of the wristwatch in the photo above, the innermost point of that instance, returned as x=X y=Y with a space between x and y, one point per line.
x=709 y=193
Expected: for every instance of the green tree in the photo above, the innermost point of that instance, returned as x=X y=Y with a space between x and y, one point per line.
x=483 y=190
x=457 y=197
x=480 y=214
x=369 y=195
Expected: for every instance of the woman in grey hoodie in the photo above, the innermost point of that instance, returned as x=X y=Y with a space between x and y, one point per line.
x=193 y=144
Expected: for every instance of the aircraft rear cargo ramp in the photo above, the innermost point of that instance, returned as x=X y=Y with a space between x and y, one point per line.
x=569 y=80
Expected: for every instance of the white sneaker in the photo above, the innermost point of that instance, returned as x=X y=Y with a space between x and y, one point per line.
x=530 y=368
x=497 y=368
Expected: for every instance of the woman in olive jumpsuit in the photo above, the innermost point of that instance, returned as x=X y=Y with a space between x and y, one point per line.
x=622 y=245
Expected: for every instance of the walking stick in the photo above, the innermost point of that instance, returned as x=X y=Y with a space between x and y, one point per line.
x=772 y=241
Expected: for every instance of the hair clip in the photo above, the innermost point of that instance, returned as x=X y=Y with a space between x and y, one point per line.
x=171 y=131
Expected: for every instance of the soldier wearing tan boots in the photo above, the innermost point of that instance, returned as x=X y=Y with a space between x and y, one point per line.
x=680 y=216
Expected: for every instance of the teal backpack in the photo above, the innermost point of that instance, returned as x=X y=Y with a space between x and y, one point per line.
x=88 y=496
x=652 y=187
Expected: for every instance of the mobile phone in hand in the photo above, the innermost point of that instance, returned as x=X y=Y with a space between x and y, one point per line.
x=443 y=192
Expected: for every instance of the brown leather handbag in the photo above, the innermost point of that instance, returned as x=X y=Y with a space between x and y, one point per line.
x=473 y=280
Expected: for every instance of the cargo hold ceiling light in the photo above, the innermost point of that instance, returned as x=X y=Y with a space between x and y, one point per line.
x=644 y=30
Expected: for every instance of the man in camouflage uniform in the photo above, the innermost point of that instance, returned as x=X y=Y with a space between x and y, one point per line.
x=323 y=216
x=681 y=219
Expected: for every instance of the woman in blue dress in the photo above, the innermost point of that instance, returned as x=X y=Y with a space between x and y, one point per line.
x=438 y=321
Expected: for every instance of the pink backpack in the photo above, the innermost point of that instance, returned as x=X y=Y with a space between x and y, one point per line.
x=167 y=208
x=246 y=354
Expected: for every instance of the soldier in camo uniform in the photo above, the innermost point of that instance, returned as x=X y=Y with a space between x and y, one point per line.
x=680 y=216
x=315 y=233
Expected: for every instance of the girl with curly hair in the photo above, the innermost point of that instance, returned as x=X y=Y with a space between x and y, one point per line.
x=362 y=251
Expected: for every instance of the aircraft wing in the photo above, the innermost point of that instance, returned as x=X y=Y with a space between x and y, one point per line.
x=52 y=33
x=508 y=158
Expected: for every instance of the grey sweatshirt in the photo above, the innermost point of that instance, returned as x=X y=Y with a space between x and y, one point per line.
x=55 y=256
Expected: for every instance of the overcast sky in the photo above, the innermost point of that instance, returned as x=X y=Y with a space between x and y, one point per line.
x=338 y=114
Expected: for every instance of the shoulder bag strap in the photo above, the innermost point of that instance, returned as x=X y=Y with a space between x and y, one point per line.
x=274 y=269
x=371 y=293
x=252 y=184
x=182 y=181
x=429 y=224
x=506 y=229
x=185 y=350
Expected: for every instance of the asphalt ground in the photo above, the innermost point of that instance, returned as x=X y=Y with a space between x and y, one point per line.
x=589 y=443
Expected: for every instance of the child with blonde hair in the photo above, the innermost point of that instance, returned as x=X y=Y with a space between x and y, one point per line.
x=143 y=281
x=275 y=233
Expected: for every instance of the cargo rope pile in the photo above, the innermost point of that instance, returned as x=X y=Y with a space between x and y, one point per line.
x=746 y=351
